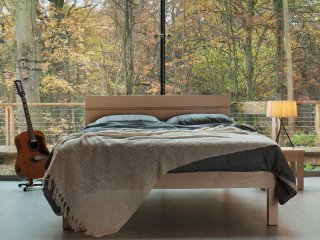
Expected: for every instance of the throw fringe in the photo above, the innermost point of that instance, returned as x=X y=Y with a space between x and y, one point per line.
x=67 y=213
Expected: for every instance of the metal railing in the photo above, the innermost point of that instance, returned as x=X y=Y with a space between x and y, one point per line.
x=59 y=119
x=304 y=129
x=54 y=119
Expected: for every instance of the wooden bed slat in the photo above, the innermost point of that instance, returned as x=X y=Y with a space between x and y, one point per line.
x=216 y=180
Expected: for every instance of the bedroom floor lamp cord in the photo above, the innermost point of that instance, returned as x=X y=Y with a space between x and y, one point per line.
x=278 y=135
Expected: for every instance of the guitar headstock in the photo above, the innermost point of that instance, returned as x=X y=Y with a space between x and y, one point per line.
x=19 y=88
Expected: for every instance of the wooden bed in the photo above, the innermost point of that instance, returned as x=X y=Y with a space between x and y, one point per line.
x=164 y=107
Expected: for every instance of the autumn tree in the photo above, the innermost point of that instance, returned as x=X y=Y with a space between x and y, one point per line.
x=109 y=47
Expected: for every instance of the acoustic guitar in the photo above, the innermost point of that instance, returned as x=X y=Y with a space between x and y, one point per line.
x=32 y=151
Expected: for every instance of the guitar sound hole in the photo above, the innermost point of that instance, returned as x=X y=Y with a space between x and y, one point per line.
x=34 y=145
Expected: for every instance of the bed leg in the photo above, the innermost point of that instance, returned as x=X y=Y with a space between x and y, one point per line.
x=65 y=224
x=272 y=207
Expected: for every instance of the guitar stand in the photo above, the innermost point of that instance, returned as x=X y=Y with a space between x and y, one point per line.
x=29 y=184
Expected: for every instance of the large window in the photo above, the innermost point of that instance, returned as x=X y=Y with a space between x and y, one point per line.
x=112 y=47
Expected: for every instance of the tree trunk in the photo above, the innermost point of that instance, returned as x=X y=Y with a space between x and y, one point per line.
x=183 y=34
x=28 y=68
x=288 y=50
x=287 y=44
x=128 y=47
x=234 y=64
x=173 y=46
x=279 y=59
x=248 y=50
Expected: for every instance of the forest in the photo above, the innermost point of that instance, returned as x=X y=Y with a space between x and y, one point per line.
x=66 y=49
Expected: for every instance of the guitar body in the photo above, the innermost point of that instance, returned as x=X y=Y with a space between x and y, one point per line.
x=31 y=155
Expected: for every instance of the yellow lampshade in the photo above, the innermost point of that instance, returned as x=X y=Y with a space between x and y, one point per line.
x=282 y=109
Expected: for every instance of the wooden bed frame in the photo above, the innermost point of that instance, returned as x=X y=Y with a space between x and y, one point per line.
x=164 y=107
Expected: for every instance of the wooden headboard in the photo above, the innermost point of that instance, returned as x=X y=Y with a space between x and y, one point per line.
x=162 y=107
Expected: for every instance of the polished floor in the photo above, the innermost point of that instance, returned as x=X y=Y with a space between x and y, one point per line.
x=173 y=214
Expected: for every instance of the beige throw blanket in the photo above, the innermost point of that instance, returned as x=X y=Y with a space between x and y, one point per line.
x=99 y=179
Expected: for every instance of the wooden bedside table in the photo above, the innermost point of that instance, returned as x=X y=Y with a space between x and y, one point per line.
x=295 y=158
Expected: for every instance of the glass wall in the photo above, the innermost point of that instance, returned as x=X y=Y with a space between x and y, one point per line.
x=111 y=47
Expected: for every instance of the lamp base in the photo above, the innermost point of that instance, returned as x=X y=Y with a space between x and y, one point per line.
x=278 y=134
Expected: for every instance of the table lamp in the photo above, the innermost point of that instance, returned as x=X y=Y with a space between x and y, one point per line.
x=282 y=109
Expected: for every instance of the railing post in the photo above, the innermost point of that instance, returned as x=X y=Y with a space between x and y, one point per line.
x=317 y=120
x=275 y=125
x=6 y=120
x=9 y=122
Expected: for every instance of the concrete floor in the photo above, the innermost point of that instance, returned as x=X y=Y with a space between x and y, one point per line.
x=173 y=214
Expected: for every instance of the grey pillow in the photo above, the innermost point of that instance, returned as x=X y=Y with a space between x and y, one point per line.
x=126 y=118
x=200 y=118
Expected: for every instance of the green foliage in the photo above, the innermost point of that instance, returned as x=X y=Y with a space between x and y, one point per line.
x=307 y=140
x=311 y=167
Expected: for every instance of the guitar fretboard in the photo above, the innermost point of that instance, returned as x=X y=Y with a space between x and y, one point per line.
x=28 y=119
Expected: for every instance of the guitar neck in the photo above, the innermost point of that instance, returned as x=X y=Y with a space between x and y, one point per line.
x=28 y=119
